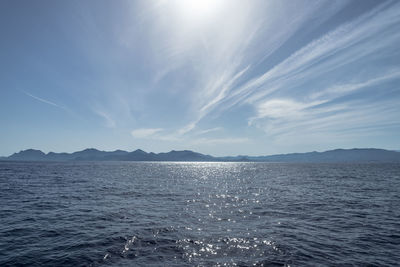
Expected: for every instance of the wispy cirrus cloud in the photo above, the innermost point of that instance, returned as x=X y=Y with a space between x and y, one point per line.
x=146 y=132
x=48 y=102
x=275 y=94
x=353 y=121
x=278 y=116
x=108 y=119
x=256 y=30
x=336 y=49
x=340 y=89
x=216 y=141
x=224 y=51
x=211 y=130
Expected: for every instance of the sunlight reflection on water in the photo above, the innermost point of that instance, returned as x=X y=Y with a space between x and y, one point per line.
x=123 y=213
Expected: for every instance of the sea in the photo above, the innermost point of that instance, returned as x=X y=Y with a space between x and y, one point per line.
x=199 y=214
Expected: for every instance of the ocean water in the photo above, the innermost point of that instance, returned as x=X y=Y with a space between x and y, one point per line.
x=199 y=214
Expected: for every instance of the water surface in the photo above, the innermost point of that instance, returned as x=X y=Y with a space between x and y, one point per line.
x=201 y=214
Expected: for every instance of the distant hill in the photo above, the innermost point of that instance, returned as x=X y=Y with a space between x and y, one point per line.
x=337 y=155
x=91 y=154
x=29 y=154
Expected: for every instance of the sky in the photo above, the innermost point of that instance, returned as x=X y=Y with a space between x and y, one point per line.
x=220 y=77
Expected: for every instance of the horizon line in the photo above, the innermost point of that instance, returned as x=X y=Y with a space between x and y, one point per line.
x=173 y=150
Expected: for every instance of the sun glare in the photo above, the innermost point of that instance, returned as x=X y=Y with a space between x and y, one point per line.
x=198 y=10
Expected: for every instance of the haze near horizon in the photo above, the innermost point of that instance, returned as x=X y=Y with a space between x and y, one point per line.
x=220 y=77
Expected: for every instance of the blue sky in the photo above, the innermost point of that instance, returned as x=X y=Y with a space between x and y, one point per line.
x=221 y=77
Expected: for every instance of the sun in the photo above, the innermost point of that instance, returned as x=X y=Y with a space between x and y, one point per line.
x=198 y=10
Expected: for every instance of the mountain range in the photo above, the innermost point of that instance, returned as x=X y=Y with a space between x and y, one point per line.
x=91 y=154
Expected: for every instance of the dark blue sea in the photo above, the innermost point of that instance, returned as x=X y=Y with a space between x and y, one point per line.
x=199 y=214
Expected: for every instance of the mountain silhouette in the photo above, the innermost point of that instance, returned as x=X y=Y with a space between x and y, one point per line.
x=91 y=154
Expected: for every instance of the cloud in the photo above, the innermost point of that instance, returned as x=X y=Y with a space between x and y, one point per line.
x=299 y=95
x=299 y=120
x=215 y=141
x=43 y=100
x=109 y=121
x=282 y=108
x=348 y=43
x=145 y=133
x=207 y=131
x=346 y=88
x=219 y=55
x=245 y=36
x=187 y=128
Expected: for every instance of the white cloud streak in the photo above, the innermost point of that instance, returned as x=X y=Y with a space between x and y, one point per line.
x=109 y=121
x=43 y=100
x=227 y=55
x=355 y=41
x=333 y=50
x=215 y=141
x=207 y=131
x=346 y=88
x=224 y=50
x=146 y=133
